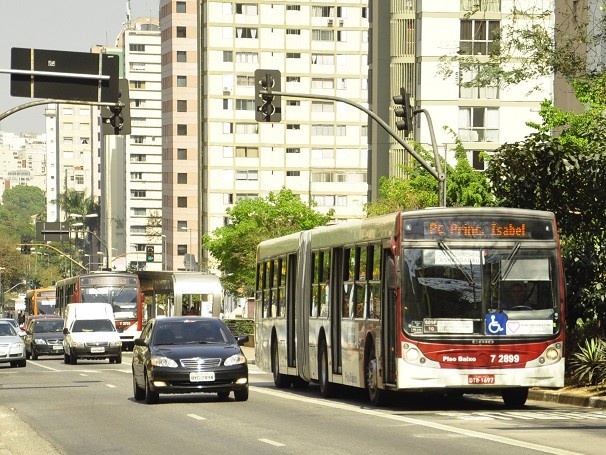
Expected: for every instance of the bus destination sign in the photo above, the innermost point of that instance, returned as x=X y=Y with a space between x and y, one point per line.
x=477 y=228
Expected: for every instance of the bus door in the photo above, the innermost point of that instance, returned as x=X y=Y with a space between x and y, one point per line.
x=388 y=322
x=336 y=308
x=291 y=281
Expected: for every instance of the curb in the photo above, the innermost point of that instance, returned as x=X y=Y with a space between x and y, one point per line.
x=567 y=398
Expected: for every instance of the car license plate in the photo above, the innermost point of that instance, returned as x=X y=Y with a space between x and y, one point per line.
x=57 y=347
x=202 y=377
x=97 y=349
x=480 y=379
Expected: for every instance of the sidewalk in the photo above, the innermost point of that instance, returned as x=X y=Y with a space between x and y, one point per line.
x=568 y=397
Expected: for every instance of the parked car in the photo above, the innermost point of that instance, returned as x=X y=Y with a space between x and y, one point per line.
x=187 y=354
x=12 y=348
x=44 y=337
x=15 y=324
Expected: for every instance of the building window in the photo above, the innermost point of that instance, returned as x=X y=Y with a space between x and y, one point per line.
x=137 y=66
x=228 y=56
x=181 y=130
x=322 y=106
x=245 y=105
x=484 y=5
x=68 y=140
x=322 y=130
x=181 y=154
x=137 y=85
x=293 y=79
x=181 y=250
x=138 y=158
x=293 y=55
x=138 y=193
x=246 y=128
x=136 y=47
x=293 y=173
x=139 y=211
x=79 y=179
x=247 y=152
x=478 y=160
x=181 y=178
x=293 y=126
x=479 y=124
x=180 y=7
x=246 y=9
x=323 y=83
x=181 y=56
x=293 y=102
x=293 y=150
x=181 y=32
x=181 y=225
x=247 y=57
x=247 y=175
x=181 y=81
x=136 y=175
x=293 y=7
x=467 y=74
x=182 y=201
x=246 y=32
x=245 y=80
x=322 y=59
x=322 y=35
x=181 y=105
x=293 y=31
x=477 y=36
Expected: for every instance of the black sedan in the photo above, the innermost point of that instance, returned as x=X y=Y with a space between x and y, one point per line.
x=188 y=354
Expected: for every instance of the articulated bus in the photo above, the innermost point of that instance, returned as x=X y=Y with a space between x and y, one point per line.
x=120 y=289
x=40 y=301
x=176 y=293
x=415 y=301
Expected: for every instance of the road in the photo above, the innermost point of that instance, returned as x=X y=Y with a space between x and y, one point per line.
x=89 y=408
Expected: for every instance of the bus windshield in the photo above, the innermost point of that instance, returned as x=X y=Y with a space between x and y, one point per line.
x=112 y=295
x=456 y=291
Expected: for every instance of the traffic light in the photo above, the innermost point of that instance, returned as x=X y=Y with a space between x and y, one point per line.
x=149 y=253
x=405 y=112
x=116 y=119
x=268 y=106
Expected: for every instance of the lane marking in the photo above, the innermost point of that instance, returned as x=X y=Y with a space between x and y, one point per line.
x=196 y=417
x=111 y=386
x=433 y=425
x=273 y=443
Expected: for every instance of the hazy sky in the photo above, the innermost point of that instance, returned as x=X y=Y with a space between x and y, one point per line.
x=64 y=25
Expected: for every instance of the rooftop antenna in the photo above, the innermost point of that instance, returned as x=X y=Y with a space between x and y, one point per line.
x=127 y=11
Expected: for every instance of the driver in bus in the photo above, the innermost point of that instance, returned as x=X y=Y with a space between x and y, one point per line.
x=517 y=297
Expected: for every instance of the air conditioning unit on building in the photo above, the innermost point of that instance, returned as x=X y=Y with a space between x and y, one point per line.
x=330 y=22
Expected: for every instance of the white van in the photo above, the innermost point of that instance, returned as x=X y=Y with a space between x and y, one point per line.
x=90 y=333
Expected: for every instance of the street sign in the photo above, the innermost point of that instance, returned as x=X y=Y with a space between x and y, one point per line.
x=52 y=231
x=63 y=75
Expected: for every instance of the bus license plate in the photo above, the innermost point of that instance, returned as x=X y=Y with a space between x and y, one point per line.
x=97 y=349
x=202 y=377
x=480 y=379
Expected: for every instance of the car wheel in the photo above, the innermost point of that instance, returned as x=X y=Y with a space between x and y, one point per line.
x=73 y=360
x=22 y=363
x=118 y=358
x=241 y=395
x=138 y=392
x=151 y=396
x=223 y=395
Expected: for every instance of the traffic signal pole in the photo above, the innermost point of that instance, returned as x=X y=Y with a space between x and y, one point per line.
x=435 y=172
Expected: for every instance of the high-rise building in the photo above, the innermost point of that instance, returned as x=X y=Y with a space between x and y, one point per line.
x=215 y=152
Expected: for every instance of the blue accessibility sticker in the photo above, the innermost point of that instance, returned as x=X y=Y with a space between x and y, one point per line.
x=496 y=324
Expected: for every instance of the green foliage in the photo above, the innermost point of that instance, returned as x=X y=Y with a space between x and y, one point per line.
x=588 y=365
x=241 y=326
x=234 y=246
x=20 y=205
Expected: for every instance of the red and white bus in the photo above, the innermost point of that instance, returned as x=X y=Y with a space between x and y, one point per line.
x=415 y=301
x=120 y=289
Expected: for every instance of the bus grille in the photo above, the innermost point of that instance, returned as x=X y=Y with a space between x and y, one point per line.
x=199 y=364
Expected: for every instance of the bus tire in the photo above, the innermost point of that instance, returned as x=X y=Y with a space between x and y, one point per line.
x=375 y=394
x=327 y=388
x=515 y=398
x=281 y=381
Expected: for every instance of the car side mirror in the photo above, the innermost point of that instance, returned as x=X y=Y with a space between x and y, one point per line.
x=241 y=339
x=140 y=342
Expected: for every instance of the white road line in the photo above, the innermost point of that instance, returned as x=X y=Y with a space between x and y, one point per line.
x=422 y=423
x=273 y=443
x=42 y=366
x=111 y=386
x=196 y=417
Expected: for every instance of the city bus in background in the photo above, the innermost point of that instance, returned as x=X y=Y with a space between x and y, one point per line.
x=176 y=293
x=122 y=290
x=40 y=301
x=415 y=301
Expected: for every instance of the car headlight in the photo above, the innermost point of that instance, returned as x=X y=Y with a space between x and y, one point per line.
x=115 y=343
x=39 y=341
x=235 y=359
x=159 y=361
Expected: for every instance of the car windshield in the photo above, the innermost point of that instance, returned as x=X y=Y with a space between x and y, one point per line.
x=192 y=332
x=51 y=325
x=93 y=325
x=7 y=330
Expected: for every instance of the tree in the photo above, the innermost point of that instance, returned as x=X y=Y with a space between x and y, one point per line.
x=464 y=187
x=234 y=246
x=20 y=206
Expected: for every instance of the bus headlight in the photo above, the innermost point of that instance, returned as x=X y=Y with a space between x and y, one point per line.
x=552 y=354
x=412 y=355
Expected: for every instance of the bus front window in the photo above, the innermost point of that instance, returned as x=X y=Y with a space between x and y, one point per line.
x=450 y=291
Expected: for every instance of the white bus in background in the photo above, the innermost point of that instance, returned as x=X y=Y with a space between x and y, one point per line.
x=176 y=293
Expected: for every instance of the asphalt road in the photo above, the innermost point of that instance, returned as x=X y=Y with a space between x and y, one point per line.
x=88 y=408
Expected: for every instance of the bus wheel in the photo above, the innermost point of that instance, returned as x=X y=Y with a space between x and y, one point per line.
x=515 y=398
x=327 y=388
x=281 y=381
x=375 y=394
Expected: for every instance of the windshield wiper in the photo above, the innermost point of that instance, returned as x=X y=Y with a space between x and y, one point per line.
x=510 y=262
x=446 y=249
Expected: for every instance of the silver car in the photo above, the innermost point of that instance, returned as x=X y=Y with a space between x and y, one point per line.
x=12 y=348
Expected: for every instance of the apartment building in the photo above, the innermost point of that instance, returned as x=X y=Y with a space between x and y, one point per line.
x=214 y=150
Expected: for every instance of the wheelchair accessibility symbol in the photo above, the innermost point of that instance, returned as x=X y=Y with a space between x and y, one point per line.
x=496 y=323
